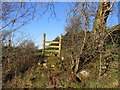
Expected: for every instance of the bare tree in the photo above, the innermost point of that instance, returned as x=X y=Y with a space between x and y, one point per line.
x=76 y=38
x=75 y=49
x=100 y=27
x=17 y=59
x=17 y=14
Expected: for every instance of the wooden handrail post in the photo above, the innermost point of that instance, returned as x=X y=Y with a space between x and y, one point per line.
x=9 y=43
x=43 y=46
x=60 y=44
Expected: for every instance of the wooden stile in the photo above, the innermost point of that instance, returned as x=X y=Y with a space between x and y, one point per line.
x=44 y=48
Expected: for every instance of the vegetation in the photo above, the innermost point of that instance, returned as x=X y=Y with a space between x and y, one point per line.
x=89 y=59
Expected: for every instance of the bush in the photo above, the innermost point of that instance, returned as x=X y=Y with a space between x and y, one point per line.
x=16 y=61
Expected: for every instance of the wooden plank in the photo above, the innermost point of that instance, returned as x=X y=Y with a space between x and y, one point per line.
x=52 y=47
x=47 y=41
x=54 y=42
x=47 y=54
x=51 y=50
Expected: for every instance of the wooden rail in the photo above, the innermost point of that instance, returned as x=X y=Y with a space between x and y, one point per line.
x=51 y=50
x=50 y=47
x=52 y=42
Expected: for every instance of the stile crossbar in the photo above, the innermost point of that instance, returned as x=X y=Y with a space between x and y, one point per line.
x=58 y=46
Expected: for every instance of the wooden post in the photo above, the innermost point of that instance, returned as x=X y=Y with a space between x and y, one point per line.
x=9 y=43
x=60 y=43
x=43 y=46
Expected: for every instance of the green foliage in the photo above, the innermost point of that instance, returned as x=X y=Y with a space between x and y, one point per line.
x=21 y=69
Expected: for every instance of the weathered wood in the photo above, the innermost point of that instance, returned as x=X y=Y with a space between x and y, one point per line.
x=60 y=44
x=51 y=50
x=43 y=48
x=47 y=41
x=9 y=43
x=51 y=46
x=50 y=42
x=47 y=54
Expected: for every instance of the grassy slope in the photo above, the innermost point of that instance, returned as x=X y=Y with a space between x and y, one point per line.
x=42 y=77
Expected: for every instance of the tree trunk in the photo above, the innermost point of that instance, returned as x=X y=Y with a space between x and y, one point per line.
x=99 y=28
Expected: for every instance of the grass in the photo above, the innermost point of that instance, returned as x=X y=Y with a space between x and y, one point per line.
x=40 y=77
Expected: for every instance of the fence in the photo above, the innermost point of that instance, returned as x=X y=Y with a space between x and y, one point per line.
x=50 y=50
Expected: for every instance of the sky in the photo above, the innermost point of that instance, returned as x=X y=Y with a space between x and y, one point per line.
x=54 y=27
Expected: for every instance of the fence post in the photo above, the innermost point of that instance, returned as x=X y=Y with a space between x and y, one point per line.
x=43 y=46
x=60 y=43
x=9 y=43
